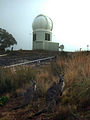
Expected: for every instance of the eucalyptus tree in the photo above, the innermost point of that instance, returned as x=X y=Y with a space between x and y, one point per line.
x=6 y=39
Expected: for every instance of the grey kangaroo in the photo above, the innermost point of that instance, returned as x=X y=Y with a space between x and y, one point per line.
x=51 y=96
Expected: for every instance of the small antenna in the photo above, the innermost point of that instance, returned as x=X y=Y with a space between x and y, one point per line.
x=80 y=49
x=61 y=47
x=87 y=47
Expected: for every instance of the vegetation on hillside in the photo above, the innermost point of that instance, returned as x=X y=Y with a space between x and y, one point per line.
x=12 y=79
x=76 y=95
x=75 y=101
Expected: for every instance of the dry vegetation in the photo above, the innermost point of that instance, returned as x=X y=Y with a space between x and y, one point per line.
x=76 y=96
x=75 y=101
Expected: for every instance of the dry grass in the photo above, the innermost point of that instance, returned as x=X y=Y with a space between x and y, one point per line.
x=77 y=83
x=76 y=71
x=14 y=78
x=76 y=94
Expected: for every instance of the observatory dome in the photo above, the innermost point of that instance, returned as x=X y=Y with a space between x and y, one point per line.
x=42 y=22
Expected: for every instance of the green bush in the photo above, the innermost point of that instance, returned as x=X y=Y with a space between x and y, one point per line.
x=3 y=100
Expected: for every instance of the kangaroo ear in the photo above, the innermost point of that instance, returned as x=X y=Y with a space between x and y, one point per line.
x=61 y=75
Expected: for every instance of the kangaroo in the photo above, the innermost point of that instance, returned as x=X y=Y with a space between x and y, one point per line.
x=27 y=95
x=51 y=96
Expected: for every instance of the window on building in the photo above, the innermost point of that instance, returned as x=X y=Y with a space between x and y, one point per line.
x=34 y=37
x=47 y=36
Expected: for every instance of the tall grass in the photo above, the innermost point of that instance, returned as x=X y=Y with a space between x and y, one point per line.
x=76 y=94
x=14 y=78
x=77 y=78
x=76 y=70
x=44 y=81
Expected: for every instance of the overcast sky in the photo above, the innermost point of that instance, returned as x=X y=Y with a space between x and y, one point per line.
x=71 y=20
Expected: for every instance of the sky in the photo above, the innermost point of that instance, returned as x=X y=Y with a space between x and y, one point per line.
x=71 y=21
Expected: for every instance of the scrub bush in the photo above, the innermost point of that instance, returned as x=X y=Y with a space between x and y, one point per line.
x=3 y=100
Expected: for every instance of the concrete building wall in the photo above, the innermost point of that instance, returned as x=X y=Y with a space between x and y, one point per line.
x=38 y=45
x=52 y=46
x=40 y=35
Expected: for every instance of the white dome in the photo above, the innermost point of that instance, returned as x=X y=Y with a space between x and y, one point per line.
x=42 y=22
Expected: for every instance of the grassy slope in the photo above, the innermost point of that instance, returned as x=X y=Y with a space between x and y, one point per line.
x=75 y=101
x=76 y=96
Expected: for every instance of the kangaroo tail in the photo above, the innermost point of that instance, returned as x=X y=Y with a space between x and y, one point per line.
x=38 y=113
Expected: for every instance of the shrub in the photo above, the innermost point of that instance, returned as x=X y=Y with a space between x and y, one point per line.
x=3 y=100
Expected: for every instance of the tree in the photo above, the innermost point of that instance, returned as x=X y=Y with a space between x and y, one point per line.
x=6 y=39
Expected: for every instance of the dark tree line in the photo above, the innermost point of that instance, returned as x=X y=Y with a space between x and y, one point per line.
x=6 y=39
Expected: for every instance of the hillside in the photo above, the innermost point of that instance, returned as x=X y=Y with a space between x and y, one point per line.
x=74 y=104
x=22 y=56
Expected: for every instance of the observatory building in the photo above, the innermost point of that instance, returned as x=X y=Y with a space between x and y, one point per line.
x=42 y=34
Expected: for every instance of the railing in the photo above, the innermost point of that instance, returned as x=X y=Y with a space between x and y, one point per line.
x=33 y=61
x=3 y=55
